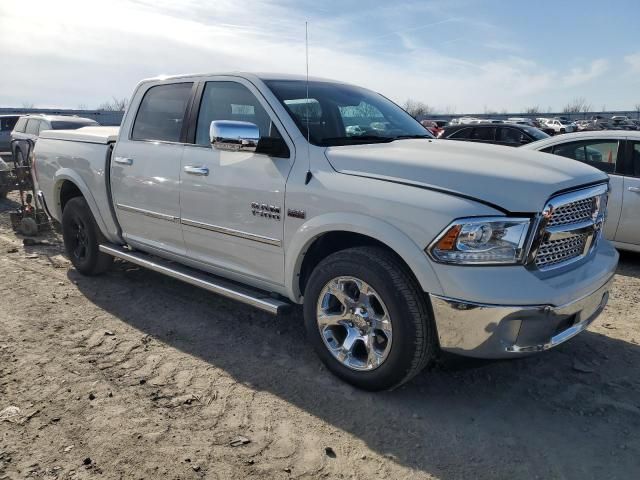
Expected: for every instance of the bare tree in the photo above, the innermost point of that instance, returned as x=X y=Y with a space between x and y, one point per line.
x=637 y=107
x=114 y=105
x=28 y=105
x=532 y=110
x=416 y=108
x=82 y=106
x=577 y=105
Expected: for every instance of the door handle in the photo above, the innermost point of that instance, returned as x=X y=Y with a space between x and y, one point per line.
x=634 y=189
x=193 y=170
x=123 y=160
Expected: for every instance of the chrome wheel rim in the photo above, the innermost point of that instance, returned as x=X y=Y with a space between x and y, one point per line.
x=354 y=323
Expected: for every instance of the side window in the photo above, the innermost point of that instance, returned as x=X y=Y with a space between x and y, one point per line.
x=231 y=101
x=8 y=123
x=161 y=113
x=547 y=150
x=483 y=133
x=510 y=135
x=462 y=133
x=20 y=126
x=43 y=126
x=33 y=126
x=634 y=168
x=601 y=154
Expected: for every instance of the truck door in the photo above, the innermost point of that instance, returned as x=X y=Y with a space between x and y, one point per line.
x=146 y=170
x=232 y=203
x=629 y=228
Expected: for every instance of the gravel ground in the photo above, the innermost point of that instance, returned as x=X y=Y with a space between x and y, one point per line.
x=135 y=375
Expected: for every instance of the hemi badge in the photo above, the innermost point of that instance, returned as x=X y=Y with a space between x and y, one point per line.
x=295 y=213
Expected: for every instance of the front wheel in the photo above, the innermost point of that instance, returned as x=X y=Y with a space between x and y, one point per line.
x=82 y=238
x=368 y=319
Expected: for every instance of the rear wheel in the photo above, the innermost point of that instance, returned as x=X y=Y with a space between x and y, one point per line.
x=368 y=319
x=82 y=238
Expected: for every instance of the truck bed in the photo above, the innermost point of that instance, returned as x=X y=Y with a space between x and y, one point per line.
x=101 y=135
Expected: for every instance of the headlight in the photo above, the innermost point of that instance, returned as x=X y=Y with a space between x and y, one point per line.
x=498 y=240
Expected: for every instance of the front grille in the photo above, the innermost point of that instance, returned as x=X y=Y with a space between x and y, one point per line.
x=573 y=223
x=574 y=212
x=558 y=251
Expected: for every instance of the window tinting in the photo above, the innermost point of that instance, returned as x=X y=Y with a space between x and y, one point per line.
x=462 y=133
x=33 y=126
x=7 y=124
x=231 y=101
x=483 y=133
x=635 y=160
x=161 y=113
x=511 y=135
x=601 y=154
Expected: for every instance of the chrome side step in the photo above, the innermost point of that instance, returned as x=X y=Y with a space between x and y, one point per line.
x=255 y=298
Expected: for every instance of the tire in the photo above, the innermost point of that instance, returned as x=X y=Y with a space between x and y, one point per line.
x=402 y=352
x=82 y=237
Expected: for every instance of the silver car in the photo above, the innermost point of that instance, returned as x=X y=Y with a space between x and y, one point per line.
x=616 y=152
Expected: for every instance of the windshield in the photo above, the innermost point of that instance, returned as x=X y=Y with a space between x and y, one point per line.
x=343 y=114
x=535 y=133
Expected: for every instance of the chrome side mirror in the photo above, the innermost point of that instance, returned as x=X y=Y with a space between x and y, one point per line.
x=234 y=136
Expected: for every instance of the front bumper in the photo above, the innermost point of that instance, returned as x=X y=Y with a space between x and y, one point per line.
x=500 y=331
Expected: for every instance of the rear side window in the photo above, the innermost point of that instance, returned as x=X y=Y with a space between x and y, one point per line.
x=463 y=133
x=63 y=125
x=161 y=113
x=7 y=123
x=602 y=154
x=483 y=133
x=33 y=126
x=20 y=126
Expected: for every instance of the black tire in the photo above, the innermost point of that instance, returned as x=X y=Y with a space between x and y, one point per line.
x=82 y=237
x=414 y=341
x=3 y=194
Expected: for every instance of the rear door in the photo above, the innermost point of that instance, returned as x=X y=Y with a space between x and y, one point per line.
x=629 y=227
x=603 y=154
x=484 y=134
x=145 y=168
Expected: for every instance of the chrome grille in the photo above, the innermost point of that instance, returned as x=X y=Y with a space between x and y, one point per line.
x=570 y=226
x=574 y=212
x=558 y=251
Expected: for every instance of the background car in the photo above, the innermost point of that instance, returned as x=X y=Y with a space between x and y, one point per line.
x=616 y=152
x=561 y=125
x=436 y=127
x=7 y=122
x=27 y=130
x=512 y=135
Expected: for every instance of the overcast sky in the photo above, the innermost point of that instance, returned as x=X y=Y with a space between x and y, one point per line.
x=457 y=55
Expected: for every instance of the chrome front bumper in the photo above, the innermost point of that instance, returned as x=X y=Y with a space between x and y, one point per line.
x=500 y=331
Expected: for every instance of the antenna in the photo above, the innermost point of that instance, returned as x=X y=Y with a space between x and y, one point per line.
x=306 y=51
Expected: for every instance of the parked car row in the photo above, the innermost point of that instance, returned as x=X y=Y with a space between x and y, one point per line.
x=19 y=133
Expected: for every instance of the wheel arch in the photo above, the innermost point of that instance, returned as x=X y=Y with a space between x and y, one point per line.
x=67 y=185
x=327 y=234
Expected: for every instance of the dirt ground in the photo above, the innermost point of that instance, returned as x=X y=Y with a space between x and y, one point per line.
x=133 y=375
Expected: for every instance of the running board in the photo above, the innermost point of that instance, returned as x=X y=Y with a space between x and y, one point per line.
x=255 y=298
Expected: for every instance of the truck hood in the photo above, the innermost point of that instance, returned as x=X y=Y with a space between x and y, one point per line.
x=513 y=179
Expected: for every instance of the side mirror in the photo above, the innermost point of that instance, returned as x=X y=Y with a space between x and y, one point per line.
x=234 y=136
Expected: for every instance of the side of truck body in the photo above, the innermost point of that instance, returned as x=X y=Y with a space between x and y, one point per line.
x=275 y=223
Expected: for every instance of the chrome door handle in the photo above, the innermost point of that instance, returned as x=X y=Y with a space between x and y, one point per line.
x=193 y=170
x=634 y=189
x=123 y=160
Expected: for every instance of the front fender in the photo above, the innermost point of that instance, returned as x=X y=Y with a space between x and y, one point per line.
x=391 y=236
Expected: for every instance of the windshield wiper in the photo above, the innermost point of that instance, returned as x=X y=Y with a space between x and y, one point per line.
x=356 y=139
x=402 y=137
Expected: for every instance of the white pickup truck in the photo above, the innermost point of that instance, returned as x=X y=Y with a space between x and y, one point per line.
x=274 y=191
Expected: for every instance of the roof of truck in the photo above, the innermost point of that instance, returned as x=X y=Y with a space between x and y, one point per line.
x=249 y=75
